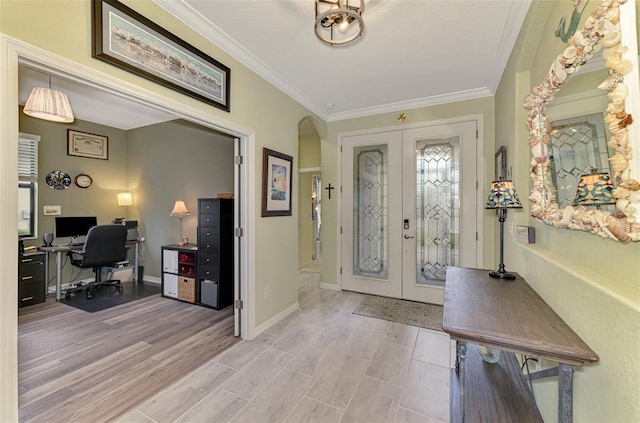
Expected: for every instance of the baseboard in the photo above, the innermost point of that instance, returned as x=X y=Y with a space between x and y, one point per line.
x=275 y=319
x=329 y=286
x=153 y=279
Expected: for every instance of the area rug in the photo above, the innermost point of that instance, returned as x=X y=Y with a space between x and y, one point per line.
x=422 y=315
x=108 y=296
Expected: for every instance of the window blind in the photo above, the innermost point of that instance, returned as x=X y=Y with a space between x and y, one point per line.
x=27 y=160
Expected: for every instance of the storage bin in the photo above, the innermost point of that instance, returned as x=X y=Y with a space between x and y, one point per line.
x=187 y=289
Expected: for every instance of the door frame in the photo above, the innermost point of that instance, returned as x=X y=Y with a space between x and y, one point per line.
x=478 y=118
x=11 y=52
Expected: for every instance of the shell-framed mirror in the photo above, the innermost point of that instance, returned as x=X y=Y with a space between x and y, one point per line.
x=602 y=30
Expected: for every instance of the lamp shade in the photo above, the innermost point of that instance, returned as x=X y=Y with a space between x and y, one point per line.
x=502 y=195
x=49 y=104
x=594 y=189
x=125 y=199
x=180 y=209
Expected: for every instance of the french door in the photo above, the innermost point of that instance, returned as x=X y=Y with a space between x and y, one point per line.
x=408 y=209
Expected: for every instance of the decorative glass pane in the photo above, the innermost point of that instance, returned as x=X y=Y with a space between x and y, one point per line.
x=370 y=211
x=437 y=208
x=578 y=145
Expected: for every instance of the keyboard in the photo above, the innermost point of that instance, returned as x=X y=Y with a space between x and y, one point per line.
x=73 y=244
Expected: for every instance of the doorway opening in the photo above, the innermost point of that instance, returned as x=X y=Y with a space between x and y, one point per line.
x=310 y=194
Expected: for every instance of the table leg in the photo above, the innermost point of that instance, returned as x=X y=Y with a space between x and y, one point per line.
x=58 y=274
x=565 y=393
x=135 y=263
x=461 y=356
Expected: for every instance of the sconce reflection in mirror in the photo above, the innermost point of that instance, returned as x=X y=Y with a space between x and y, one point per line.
x=601 y=29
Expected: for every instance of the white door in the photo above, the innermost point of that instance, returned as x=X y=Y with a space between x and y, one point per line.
x=408 y=209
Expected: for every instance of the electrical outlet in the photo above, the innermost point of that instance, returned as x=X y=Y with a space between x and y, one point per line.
x=267 y=293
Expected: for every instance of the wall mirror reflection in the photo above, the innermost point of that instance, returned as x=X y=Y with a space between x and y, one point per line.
x=558 y=160
x=577 y=147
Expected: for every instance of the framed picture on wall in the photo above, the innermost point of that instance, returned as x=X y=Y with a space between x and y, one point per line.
x=84 y=144
x=276 y=183
x=124 y=38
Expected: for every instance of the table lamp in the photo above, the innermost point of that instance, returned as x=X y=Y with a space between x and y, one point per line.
x=180 y=209
x=502 y=196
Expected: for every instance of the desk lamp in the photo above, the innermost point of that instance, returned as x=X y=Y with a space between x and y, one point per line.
x=124 y=200
x=502 y=196
x=180 y=209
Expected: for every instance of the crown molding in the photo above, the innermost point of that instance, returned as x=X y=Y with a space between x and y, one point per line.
x=412 y=104
x=515 y=19
x=211 y=32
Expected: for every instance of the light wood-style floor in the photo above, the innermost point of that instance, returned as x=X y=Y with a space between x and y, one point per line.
x=320 y=364
x=96 y=367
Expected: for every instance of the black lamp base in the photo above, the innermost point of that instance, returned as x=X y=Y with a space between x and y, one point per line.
x=502 y=275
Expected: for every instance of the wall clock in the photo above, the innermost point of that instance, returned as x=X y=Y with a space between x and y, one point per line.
x=58 y=179
x=83 y=180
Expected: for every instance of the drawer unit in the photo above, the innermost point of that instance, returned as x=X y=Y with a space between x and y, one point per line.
x=32 y=287
x=215 y=252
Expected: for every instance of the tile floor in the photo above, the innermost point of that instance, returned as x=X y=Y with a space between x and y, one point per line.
x=320 y=364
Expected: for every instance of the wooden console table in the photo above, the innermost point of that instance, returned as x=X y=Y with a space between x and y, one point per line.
x=507 y=315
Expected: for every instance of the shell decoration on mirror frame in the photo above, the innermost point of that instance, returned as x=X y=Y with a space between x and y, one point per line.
x=601 y=29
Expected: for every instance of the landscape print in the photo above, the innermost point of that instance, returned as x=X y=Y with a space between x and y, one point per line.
x=130 y=41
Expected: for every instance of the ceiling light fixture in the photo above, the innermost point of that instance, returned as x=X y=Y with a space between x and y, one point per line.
x=339 y=22
x=48 y=104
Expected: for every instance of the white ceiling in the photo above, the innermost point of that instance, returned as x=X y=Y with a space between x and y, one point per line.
x=413 y=53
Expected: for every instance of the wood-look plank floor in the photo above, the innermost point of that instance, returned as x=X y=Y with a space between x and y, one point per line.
x=96 y=367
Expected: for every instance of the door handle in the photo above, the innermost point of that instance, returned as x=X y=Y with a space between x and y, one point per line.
x=408 y=237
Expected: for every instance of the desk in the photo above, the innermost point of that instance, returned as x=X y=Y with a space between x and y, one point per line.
x=58 y=250
x=510 y=316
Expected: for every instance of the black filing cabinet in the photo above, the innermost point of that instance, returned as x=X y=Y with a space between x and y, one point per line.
x=215 y=252
x=31 y=283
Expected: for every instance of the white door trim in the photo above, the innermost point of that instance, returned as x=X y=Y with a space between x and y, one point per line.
x=478 y=118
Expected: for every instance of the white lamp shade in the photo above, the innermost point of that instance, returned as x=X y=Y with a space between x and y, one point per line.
x=49 y=104
x=180 y=209
x=125 y=199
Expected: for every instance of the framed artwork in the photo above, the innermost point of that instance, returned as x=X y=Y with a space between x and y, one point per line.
x=501 y=163
x=52 y=210
x=84 y=144
x=126 y=39
x=276 y=183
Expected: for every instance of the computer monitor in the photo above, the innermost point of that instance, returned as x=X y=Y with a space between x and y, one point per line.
x=73 y=226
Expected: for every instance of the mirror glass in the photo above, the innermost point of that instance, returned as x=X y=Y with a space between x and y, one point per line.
x=570 y=188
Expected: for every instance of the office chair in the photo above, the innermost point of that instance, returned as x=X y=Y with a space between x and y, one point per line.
x=105 y=245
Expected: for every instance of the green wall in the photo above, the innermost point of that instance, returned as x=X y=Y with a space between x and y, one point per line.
x=147 y=162
x=170 y=161
x=592 y=283
x=109 y=178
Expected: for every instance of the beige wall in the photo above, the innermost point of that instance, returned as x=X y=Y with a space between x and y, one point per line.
x=592 y=283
